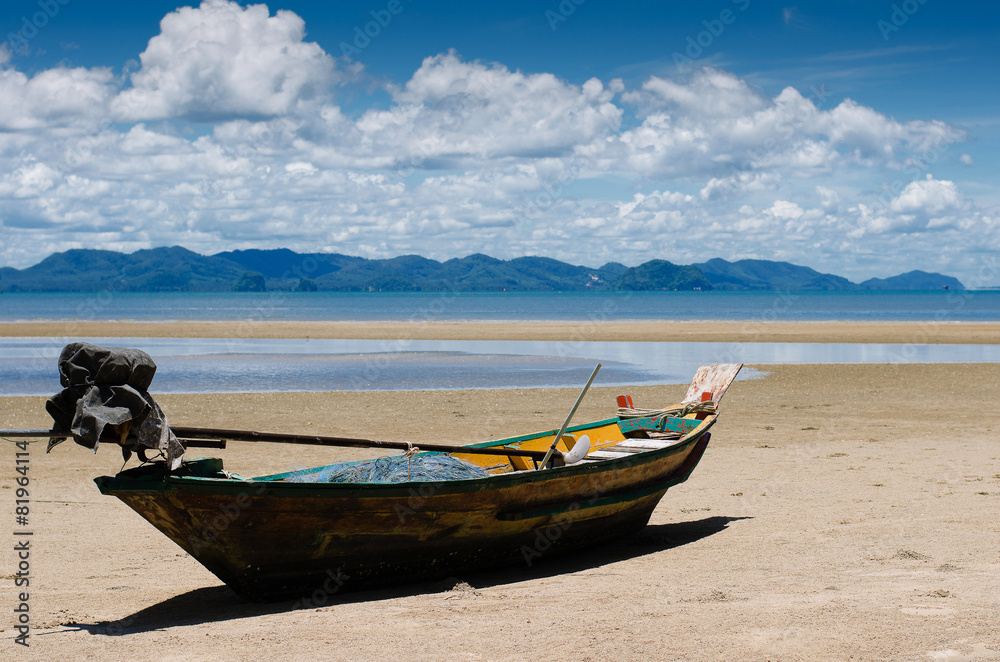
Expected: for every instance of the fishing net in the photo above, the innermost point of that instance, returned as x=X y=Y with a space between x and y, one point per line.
x=396 y=469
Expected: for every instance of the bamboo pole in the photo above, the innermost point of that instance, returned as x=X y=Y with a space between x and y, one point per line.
x=346 y=442
x=192 y=437
x=53 y=434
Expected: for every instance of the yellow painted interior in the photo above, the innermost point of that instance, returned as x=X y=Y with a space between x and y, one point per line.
x=600 y=437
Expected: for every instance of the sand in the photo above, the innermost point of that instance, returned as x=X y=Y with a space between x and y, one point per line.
x=840 y=512
x=933 y=332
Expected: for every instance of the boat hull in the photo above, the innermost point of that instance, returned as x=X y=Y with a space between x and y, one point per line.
x=273 y=540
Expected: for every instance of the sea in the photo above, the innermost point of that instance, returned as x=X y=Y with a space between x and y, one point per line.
x=938 y=305
x=191 y=365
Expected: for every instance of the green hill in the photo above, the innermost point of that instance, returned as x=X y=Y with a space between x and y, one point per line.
x=177 y=269
x=914 y=280
x=663 y=275
x=768 y=275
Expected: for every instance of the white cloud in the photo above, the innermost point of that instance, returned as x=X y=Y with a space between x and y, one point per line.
x=58 y=97
x=711 y=92
x=827 y=196
x=966 y=159
x=927 y=196
x=221 y=60
x=29 y=181
x=460 y=111
x=716 y=122
x=466 y=157
x=740 y=184
x=785 y=210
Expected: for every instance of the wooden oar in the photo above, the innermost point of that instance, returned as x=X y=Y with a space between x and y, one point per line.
x=215 y=438
x=552 y=449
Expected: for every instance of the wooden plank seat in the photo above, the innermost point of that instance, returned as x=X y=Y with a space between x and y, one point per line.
x=644 y=444
x=607 y=455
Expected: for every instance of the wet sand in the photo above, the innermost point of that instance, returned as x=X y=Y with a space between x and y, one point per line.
x=840 y=512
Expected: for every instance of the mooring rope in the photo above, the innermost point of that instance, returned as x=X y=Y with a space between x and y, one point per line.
x=683 y=409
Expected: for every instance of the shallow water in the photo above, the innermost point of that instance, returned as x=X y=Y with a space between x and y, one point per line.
x=28 y=365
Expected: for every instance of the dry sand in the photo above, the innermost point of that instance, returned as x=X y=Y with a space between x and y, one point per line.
x=841 y=512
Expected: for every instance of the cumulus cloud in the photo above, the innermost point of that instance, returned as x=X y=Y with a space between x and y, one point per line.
x=785 y=210
x=740 y=184
x=466 y=156
x=924 y=205
x=220 y=61
x=927 y=196
x=716 y=122
x=710 y=92
x=454 y=110
x=828 y=198
x=53 y=98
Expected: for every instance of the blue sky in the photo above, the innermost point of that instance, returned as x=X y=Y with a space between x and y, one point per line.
x=854 y=137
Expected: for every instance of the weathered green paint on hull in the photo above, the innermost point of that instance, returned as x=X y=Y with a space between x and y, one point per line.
x=271 y=540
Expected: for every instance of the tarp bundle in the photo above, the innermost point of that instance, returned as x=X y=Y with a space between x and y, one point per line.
x=105 y=398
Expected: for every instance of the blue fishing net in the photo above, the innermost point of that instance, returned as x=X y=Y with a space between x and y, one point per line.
x=396 y=469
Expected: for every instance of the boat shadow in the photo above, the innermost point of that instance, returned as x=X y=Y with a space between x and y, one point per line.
x=219 y=603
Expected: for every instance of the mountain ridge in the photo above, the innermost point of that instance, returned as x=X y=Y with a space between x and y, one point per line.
x=175 y=268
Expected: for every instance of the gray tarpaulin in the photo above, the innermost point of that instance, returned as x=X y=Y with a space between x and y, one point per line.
x=105 y=388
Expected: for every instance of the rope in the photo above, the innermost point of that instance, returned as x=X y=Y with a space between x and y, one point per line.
x=410 y=451
x=683 y=409
x=24 y=441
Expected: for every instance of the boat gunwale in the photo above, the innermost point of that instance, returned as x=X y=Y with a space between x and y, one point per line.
x=481 y=444
x=273 y=486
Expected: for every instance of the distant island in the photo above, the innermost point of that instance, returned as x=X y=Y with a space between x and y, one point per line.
x=177 y=269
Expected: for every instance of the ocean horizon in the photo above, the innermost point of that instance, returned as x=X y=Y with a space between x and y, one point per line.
x=790 y=306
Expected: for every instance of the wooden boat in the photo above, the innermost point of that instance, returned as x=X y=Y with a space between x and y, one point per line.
x=273 y=538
